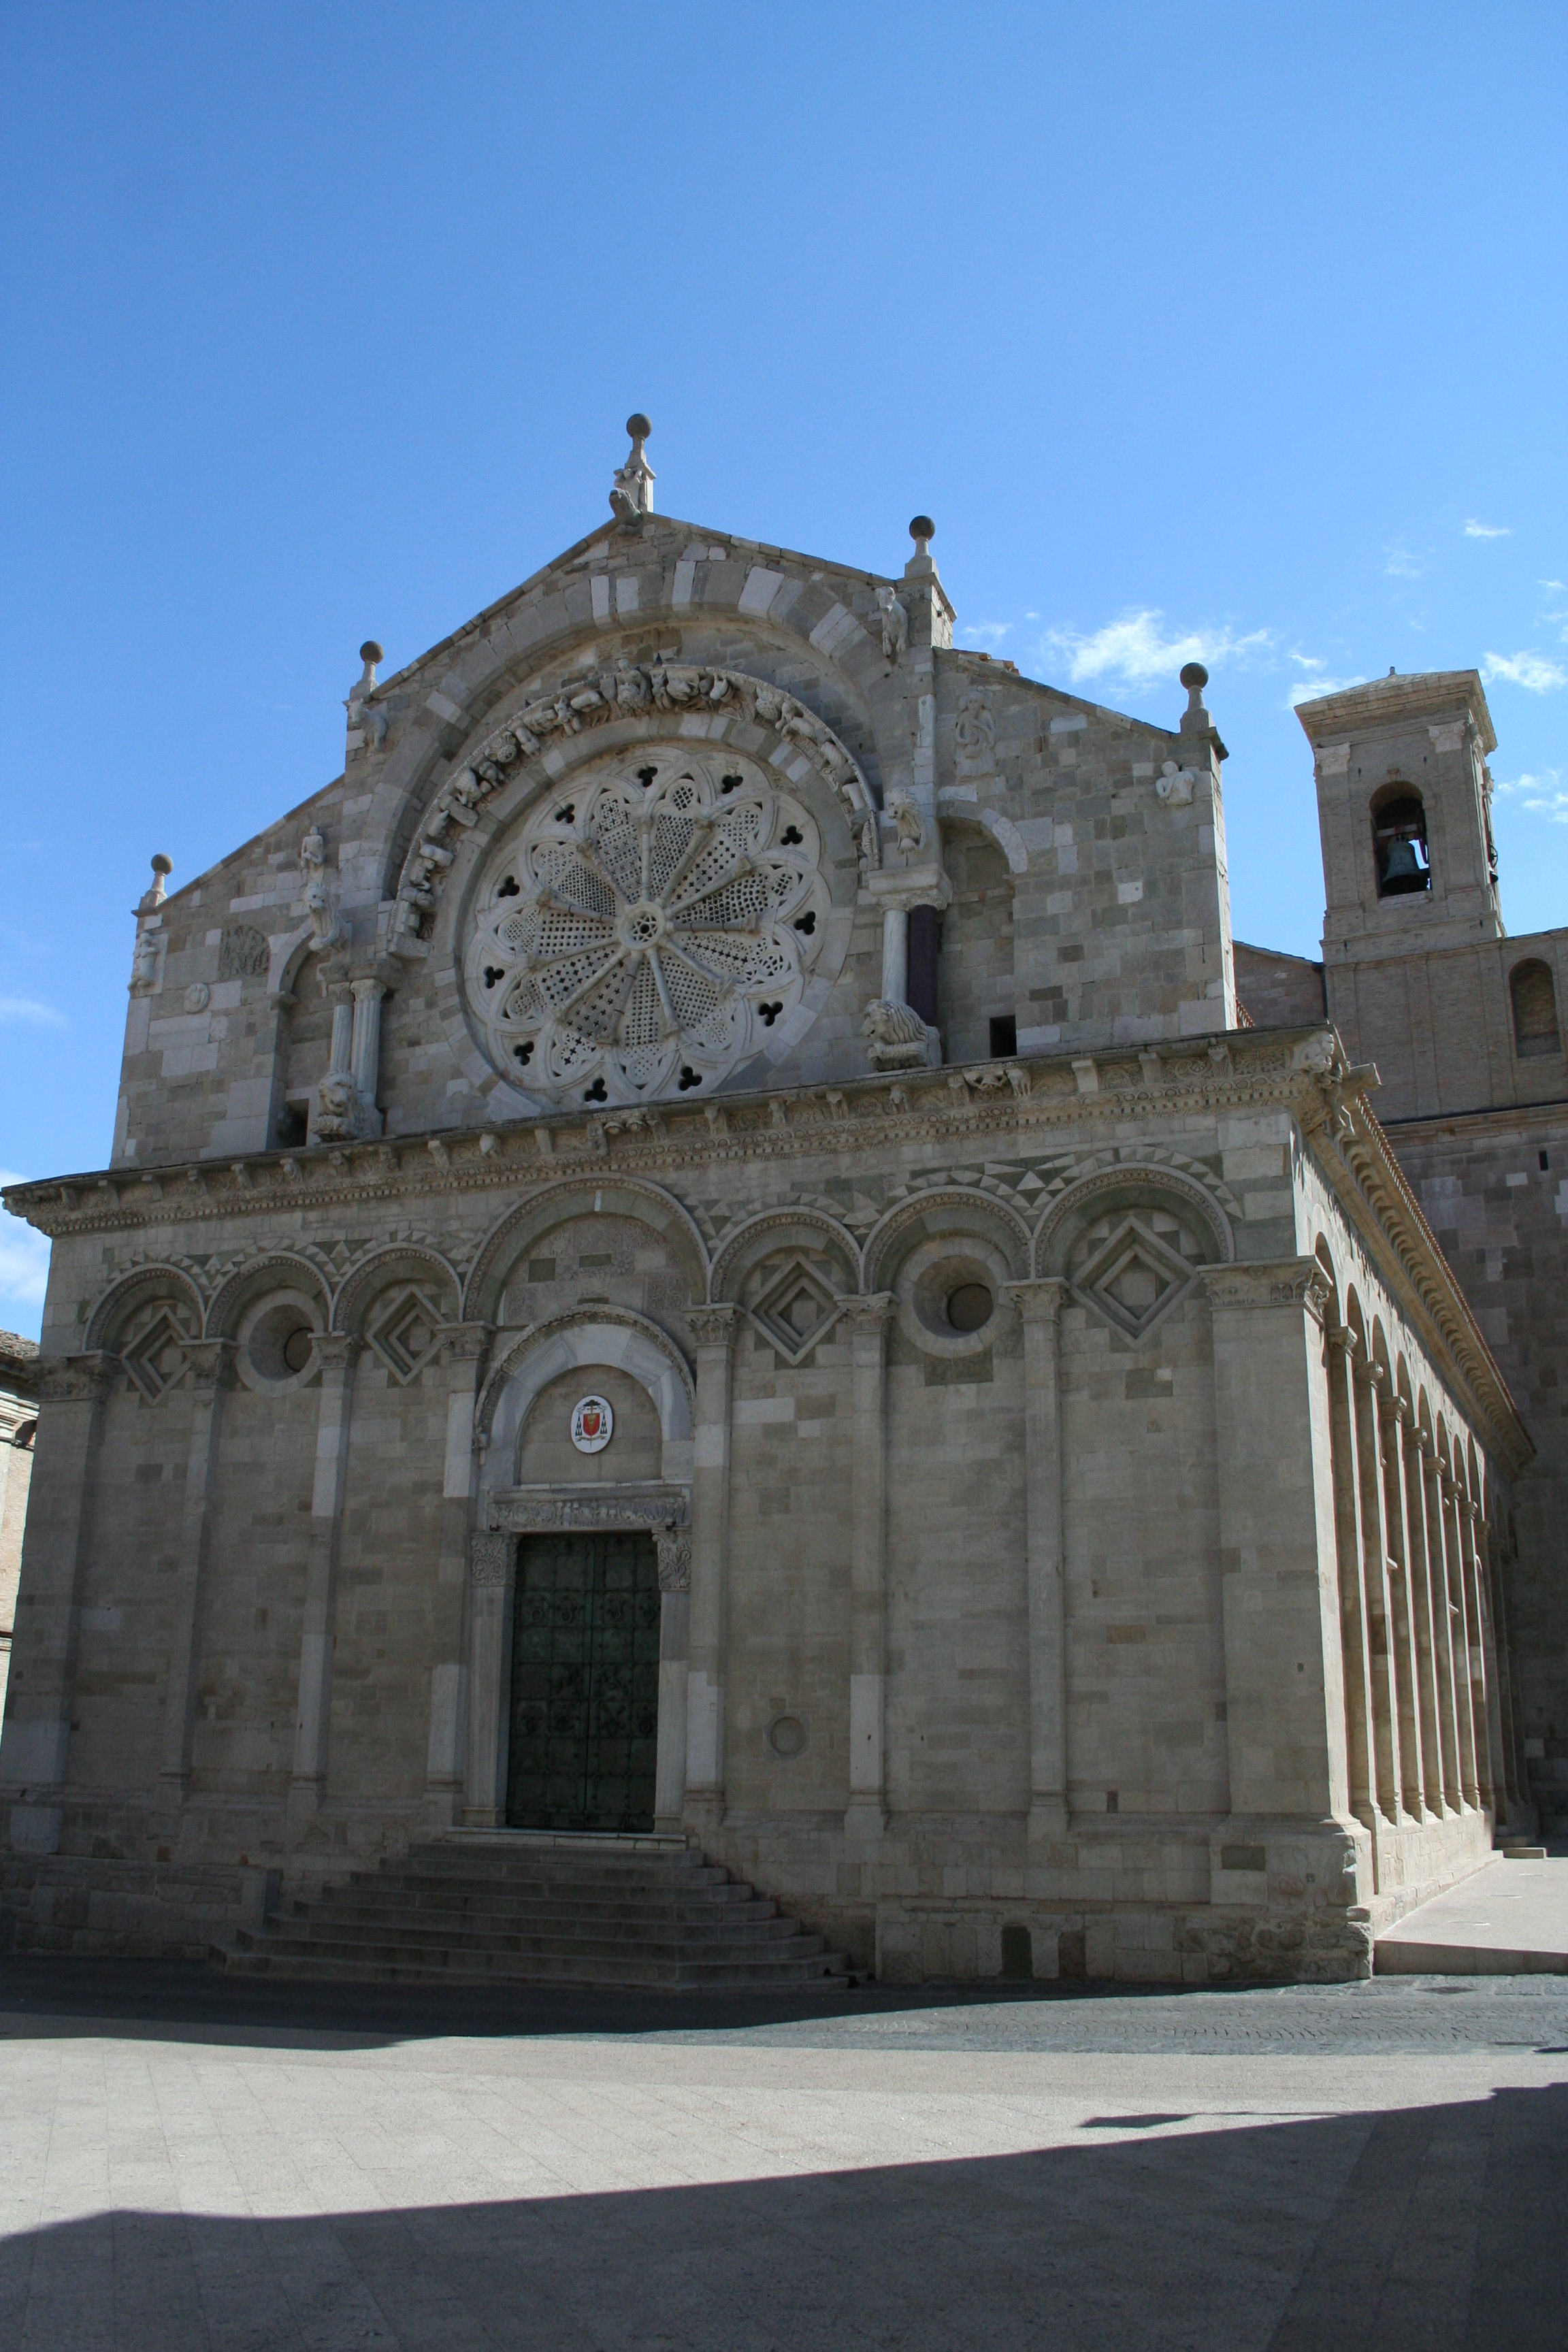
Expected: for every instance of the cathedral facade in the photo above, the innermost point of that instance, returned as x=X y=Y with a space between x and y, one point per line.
x=700 y=1243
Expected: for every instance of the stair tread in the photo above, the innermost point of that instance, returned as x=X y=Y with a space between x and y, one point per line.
x=535 y=1910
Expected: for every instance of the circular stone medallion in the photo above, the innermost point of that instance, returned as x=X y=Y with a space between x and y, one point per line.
x=592 y=1424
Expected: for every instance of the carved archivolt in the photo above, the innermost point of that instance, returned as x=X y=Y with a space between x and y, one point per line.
x=652 y=924
x=653 y=697
x=1130 y=1181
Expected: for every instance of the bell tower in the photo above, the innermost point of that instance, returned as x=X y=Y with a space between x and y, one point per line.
x=1404 y=815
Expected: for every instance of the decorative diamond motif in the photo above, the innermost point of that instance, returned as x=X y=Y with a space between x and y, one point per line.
x=646 y=928
x=157 y=1360
x=795 y=1310
x=1133 y=1276
x=406 y=1332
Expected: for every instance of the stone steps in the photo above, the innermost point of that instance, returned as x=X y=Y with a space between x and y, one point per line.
x=523 y=1908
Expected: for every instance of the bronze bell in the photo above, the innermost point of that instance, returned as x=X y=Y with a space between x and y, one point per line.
x=1402 y=865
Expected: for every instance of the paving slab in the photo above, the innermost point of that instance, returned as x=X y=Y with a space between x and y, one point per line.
x=191 y=2165
x=1510 y=1920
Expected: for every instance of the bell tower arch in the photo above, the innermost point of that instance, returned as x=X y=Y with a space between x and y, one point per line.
x=1404 y=815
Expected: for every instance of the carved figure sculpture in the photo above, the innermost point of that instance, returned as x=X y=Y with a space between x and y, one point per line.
x=976 y=731
x=895 y=622
x=1174 y=785
x=326 y=929
x=908 y=824
x=337 y=1108
x=898 y=1038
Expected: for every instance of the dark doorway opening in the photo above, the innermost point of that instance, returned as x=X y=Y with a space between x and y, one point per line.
x=584 y=1683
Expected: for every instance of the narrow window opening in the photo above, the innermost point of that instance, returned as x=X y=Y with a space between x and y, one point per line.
x=1003 y=1035
x=1399 y=845
x=293 y=1121
x=1534 y=1010
x=1545 y=1161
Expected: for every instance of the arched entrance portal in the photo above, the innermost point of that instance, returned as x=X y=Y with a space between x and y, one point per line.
x=580 y=1571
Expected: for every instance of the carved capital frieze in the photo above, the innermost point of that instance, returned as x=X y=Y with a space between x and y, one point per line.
x=336 y=1351
x=713 y=1327
x=1038 y=1302
x=1296 y=1282
x=674 y=1548
x=77 y=1380
x=869 y=1316
x=490 y=1558
x=212 y=1363
x=466 y=1343
x=656 y=1508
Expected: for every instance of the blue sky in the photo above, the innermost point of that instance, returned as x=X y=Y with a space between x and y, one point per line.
x=1226 y=331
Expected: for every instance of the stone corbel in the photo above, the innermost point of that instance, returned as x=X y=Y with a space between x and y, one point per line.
x=78 y=1379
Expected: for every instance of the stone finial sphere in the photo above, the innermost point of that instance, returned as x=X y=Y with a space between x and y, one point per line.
x=371 y=652
x=162 y=865
x=1194 y=674
x=922 y=527
x=638 y=427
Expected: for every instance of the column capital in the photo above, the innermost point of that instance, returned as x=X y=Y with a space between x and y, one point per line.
x=1392 y=1408
x=464 y=1343
x=714 y=1326
x=337 y=1350
x=1343 y=1337
x=870 y=1313
x=1290 y=1282
x=78 y=1379
x=1038 y=1302
x=1447 y=1482
x=372 y=985
x=1370 y=1374
x=212 y=1363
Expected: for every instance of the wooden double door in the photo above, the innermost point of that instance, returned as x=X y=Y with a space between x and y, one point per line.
x=584 y=1683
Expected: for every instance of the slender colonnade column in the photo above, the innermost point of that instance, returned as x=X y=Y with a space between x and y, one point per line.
x=1468 y=1780
x=713 y=1329
x=43 y=1668
x=674 y=1548
x=465 y=1348
x=1442 y=1625
x=1419 y=1571
x=1040 y=1305
x=1402 y=1599
x=211 y=1374
x=1353 y=1632
x=866 y=1816
x=336 y=1353
x=1475 y=1627
x=1374 y=1552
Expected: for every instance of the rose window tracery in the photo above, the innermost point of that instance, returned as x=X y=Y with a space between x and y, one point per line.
x=646 y=928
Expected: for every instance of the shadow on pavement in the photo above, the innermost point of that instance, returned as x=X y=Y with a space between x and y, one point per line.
x=1432 y=2228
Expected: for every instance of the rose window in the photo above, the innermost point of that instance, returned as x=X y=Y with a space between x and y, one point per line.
x=647 y=928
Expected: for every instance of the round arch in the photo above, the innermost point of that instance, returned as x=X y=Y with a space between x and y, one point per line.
x=775 y=1229
x=357 y=1293
x=280 y=1269
x=1130 y=1181
x=624 y=1196
x=131 y=1290
x=948 y=1210
x=605 y=1335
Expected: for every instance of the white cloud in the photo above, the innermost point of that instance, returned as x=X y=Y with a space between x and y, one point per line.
x=1306 y=689
x=1543 y=795
x=995 y=631
x=1474 y=530
x=24 y=1270
x=1535 y=672
x=29 y=1009
x=1136 y=650
x=1555 y=586
x=1401 y=563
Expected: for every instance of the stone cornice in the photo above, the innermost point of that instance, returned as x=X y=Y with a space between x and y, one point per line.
x=1041 y=1097
x=1358 y=1162
x=1020 y=1104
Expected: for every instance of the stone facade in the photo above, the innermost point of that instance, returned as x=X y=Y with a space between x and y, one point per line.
x=18 y=1427
x=1081 y=1493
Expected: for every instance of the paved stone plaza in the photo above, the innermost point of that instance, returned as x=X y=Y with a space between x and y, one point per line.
x=189 y=2166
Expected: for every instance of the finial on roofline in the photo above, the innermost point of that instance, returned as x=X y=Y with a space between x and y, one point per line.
x=632 y=497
